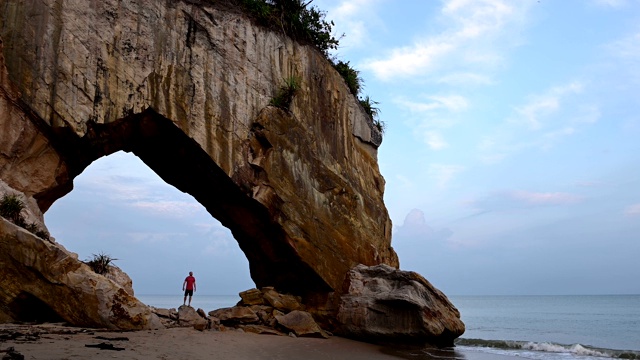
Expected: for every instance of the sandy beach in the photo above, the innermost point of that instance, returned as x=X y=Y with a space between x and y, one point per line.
x=57 y=342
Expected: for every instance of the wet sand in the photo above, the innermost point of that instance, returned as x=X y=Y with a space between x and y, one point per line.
x=56 y=342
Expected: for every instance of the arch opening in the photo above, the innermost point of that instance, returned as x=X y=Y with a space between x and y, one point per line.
x=179 y=161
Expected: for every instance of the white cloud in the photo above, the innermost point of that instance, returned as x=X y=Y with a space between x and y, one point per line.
x=545 y=198
x=351 y=18
x=435 y=140
x=476 y=29
x=542 y=122
x=534 y=113
x=632 y=210
x=171 y=208
x=444 y=174
x=454 y=103
x=611 y=3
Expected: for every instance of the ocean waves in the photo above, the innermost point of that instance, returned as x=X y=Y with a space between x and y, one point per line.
x=541 y=350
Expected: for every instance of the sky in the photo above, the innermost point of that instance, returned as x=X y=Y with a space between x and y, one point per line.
x=511 y=155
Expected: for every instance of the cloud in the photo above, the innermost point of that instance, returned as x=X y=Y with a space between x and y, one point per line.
x=545 y=198
x=632 y=210
x=540 y=107
x=541 y=122
x=432 y=116
x=434 y=140
x=611 y=3
x=169 y=208
x=508 y=200
x=352 y=18
x=444 y=174
x=474 y=29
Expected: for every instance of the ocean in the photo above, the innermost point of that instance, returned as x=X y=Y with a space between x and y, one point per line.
x=551 y=327
x=594 y=327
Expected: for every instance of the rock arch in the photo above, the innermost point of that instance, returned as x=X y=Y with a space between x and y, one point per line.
x=300 y=190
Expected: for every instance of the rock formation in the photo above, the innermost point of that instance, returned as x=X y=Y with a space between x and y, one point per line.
x=185 y=85
x=36 y=272
x=385 y=304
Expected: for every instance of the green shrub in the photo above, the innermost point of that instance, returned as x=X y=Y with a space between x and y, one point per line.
x=350 y=76
x=11 y=209
x=285 y=94
x=100 y=263
x=296 y=19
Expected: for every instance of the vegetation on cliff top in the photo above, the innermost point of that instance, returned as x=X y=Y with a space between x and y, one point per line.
x=11 y=208
x=307 y=24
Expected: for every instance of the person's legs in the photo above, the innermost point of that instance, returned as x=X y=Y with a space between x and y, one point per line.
x=189 y=300
x=184 y=302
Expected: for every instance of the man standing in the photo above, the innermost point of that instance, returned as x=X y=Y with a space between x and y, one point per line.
x=189 y=286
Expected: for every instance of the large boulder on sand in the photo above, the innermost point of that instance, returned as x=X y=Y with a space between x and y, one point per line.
x=301 y=323
x=383 y=303
x=42 y=281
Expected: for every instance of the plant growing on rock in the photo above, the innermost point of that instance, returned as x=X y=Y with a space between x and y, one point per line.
x=350 y=76
x=369 y=107
x=11 y=209
x=285 y=94
x=100 y=263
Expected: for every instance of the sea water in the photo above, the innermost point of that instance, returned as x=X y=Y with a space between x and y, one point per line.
x=531 y=327
x=551 y=327
x=204 y=302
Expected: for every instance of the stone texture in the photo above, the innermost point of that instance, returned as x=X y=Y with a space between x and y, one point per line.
x=252 y=297
x=41 y=281
x=300 y=190
x=121 y=278
x=383 y=303
x=283 y=302
x=301 y=323
x=188 y=316
x=234 y=315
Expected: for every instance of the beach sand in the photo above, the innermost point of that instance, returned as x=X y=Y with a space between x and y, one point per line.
x=57 y=342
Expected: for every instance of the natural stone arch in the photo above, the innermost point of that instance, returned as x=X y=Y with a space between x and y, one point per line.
x=300 y=190
x=181 y=162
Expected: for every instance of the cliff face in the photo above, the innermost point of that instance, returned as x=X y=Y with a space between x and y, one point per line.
x=185 y=85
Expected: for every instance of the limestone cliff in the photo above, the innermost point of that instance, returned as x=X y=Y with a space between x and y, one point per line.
x=185 y=85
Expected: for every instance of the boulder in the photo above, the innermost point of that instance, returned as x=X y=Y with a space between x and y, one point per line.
x=235 y=315
x=283 y=302
x=301 y=323
x=121 y=278
x=385 y=304
x=188 y=316
x=42 y=281
x=260 y=329
x=252 y=297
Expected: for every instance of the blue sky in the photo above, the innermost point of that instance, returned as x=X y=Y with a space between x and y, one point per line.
x=511 y=154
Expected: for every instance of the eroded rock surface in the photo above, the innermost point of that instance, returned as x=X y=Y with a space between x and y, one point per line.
x=381 y=303
x=44 y=282
x=186 y=86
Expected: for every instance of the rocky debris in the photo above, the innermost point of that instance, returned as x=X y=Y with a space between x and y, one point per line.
x=385 y=304
x=249 y=317
x=252 y=297
x=302 y=324
x=282 y=302
x=235 y=315
x=11 y=354
x=260 y=329
x=188 y=316
x=105 y=346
